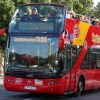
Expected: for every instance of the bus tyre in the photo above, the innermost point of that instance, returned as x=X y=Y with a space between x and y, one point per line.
x=80 y=88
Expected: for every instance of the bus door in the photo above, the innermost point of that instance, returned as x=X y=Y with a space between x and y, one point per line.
x=71 y=53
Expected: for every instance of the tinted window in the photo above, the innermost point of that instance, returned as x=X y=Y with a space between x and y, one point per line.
x=86 y=63
x=96 y=57
x=91 y=58
x=71 y=55
x=37 y=19
x=38 y=56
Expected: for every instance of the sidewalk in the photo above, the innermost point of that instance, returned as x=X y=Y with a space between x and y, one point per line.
x=1 y=79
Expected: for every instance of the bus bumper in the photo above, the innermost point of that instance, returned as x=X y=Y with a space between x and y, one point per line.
x=26 y=85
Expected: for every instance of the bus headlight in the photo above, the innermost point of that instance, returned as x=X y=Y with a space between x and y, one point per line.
x=52 y=82
x=8 y=80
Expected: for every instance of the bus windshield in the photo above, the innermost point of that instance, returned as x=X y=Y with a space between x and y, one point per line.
x=33 y=57
x=36 y=18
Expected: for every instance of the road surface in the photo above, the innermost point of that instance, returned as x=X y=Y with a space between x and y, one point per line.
x=8 y=95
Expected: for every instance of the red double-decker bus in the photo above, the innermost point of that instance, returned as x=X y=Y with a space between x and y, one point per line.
x=47 y=53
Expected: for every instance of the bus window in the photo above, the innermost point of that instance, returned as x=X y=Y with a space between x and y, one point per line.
x=96 y=57
x=28 y=54
x=72 y=54
x=43 y=21
x=91 y=59
x=86 y=63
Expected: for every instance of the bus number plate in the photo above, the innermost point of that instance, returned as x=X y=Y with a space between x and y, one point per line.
x=29 y=88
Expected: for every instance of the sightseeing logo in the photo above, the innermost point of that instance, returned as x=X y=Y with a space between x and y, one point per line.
x=34 y=39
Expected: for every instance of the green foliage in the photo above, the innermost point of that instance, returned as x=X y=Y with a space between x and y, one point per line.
x=6 y=12
x=18 y=2
x=2 y=41
x=41 y=1
x=97 y=10
x=79 y=6
x=83 y=7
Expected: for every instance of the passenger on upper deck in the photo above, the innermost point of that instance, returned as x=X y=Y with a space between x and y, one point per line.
x=35 y=15
x=53 y=13
x=34 y=12
x=72 y=15
x=87 y=18
x=97 y=23
x=81 y=18
x=26 y=14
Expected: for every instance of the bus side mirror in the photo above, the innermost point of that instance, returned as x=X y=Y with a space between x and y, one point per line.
x=62 y=40
x=3 y=31
x=61 y=44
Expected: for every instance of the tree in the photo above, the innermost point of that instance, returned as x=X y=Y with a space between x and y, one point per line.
x=2 y=41
x=79 y=6
x=83 y=7
x=41 y=1
x=97 y=10
x=6 y=11
x=18 y=2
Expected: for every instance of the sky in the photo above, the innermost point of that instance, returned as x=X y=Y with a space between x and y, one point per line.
x=96 y=2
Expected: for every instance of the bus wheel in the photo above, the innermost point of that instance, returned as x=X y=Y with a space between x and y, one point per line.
x=80 y=88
